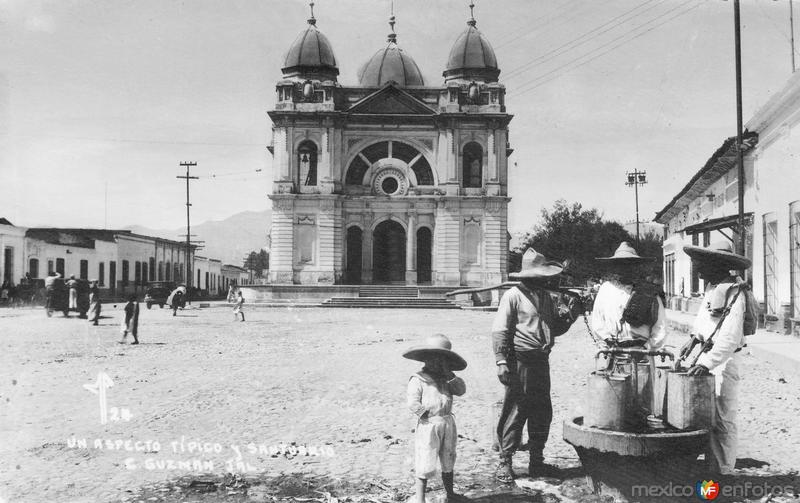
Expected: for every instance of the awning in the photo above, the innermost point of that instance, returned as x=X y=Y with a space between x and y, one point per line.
x=715 y=224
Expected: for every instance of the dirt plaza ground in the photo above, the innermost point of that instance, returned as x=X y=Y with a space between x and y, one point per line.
x=292 y=400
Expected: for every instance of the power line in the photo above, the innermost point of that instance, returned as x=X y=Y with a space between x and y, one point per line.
x=133 y=140
x=528 y=28
x=557 y=51
x=542 y=79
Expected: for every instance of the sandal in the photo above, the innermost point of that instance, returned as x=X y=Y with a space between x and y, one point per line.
x=504 y=473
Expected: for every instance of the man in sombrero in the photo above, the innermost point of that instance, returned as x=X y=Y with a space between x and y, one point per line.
x=724 y=302
x=627 y=311
x=527 y=321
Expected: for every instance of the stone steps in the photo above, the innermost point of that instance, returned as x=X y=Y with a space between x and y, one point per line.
x=390 y=303
x=388 y=291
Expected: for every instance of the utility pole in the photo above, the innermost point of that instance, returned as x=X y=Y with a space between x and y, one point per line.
x=791 y=32
x=635 y=179
x=188 y=165
x=739 y=157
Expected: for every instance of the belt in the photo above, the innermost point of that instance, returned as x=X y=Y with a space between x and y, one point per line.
x=740 y=348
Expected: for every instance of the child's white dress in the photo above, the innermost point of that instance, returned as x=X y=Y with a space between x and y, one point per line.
x=436 y=435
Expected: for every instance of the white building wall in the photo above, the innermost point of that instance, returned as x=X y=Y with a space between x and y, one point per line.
x=14 y=238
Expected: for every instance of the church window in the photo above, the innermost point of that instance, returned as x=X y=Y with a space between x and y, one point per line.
x=404 y=152
x=355 y=174
x=306 y=239
x=472 y=165
x=377 y=151
x=472 y=244
x=307 y=160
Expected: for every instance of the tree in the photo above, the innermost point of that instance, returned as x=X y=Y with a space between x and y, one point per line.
x=570 y=232
x=257 y=262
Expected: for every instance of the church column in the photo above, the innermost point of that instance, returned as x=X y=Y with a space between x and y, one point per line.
x=411 y=250
x=324 y=175
x=495 y=241
x=493 y=148
x=366 y=253
x=447 y=242
x=282 y=181
x=282 y=237
x=452 y=163
x=326 y=227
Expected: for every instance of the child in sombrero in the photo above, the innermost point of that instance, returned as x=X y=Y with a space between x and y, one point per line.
x=430 y=398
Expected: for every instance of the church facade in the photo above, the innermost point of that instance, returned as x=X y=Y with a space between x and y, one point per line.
x=390 y=180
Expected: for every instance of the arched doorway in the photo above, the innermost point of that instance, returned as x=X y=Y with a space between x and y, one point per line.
x=389 y=253
x=353 y=252
x=424 y=247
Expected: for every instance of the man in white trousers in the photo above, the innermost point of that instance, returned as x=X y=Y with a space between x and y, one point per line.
x=724 y=301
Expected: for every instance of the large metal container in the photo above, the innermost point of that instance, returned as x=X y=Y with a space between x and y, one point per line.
x=690 y=401
x=608 y=400
x=660 y=390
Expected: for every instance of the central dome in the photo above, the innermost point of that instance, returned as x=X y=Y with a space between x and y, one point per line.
x=390 y=64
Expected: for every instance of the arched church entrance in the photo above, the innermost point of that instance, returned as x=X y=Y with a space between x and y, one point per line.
x=424 y=249
x=353 y=252
x=389 y=253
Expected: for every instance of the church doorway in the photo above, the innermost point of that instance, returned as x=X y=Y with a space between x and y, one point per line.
x=389 y=253
x=353 y=252
x=424 y=248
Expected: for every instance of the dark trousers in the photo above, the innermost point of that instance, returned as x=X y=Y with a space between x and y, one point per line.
x=527 y=400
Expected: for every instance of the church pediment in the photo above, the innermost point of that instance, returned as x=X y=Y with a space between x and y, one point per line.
x=390 y=100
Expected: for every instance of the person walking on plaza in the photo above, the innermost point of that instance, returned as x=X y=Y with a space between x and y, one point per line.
x=527 y=321
x=94 y=302
x=131 y=322
x=52 y=284
x=721 y=317
x=239 y=308
x=72 y=284
x=430 y=398
x=176 y=299
x=627 y=311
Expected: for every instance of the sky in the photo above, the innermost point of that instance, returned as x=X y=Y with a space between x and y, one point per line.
x=101 y=100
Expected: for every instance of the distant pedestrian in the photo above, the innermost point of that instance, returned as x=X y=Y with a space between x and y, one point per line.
x=430 y=398
x=72 y=284
x=231 y=294
x=94 y=302
x=131 y=322
x=52 y=284
x=5 y=292
x=177 y=299
x=238 y=309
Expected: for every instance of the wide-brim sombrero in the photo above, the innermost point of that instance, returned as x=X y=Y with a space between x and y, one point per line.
x=536 y=265
x=436 y=345
x=720 y=252
x=625 y=254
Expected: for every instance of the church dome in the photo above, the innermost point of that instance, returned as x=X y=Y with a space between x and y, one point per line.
x=390 y=64
x=472 y=57
x=311 y=55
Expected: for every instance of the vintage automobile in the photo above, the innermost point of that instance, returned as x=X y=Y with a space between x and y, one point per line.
x=157 y=292
x=58 y=298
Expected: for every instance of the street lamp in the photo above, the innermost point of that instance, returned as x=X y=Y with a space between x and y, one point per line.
x=635 y=179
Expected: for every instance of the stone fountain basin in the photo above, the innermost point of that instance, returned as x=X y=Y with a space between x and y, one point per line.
x=616 y=462
x=635 y=444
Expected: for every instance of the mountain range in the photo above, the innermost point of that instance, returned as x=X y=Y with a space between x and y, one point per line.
x=229 y=240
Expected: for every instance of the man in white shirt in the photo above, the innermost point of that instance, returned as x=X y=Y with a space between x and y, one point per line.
x=723 y=306
x=645 y=323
